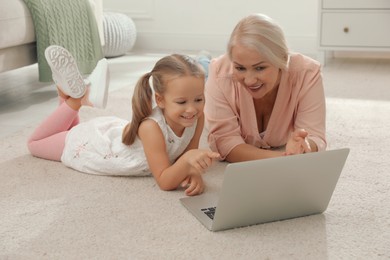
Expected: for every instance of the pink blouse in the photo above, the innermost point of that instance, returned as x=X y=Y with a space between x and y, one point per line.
x=230 y=114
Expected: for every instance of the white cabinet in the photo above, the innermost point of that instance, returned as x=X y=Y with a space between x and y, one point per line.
x=353 y=25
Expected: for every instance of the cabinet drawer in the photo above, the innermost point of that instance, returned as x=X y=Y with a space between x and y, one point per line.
x=355 y=29
x=356 y=4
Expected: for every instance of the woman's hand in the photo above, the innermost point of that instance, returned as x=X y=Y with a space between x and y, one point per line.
x=298 y=143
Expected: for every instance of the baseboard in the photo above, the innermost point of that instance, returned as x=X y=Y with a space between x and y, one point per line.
x=362 y=54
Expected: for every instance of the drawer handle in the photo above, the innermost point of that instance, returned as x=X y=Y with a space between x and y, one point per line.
x=346 y=30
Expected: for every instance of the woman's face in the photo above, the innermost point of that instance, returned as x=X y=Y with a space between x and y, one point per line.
x=254 y=72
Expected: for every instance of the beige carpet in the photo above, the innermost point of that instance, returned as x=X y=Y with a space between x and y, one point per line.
x=48 y=211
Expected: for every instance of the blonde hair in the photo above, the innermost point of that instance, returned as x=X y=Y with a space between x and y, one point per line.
x=175 y=65
x=261 y=33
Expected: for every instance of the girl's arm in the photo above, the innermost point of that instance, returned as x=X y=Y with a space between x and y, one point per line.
x=169 y=176
x=192 y=182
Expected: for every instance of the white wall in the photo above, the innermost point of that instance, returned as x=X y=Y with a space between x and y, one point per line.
x=166 y=25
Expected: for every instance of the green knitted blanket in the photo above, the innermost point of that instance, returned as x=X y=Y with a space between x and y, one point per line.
x=68 y=23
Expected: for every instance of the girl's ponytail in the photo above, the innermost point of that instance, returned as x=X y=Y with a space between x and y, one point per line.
x=142 y=108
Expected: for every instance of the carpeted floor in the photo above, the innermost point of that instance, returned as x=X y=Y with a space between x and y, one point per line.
x=48 y=211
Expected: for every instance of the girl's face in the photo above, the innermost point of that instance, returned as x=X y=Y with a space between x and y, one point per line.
x=254 y=72
x=182 y=102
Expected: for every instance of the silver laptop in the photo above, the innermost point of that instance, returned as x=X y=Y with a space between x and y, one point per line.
x=266 y=190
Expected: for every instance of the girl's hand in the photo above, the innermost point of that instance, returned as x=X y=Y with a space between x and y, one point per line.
x=298 y=143
x=194 y=185
x=199 y=160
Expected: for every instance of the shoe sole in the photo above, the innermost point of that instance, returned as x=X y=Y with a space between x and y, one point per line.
x=65 y=71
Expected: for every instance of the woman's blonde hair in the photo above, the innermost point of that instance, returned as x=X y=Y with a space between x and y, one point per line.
x=175 y=65
x=261 y=33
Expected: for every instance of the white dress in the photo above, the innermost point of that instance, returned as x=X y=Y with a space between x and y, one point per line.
x=96 y=147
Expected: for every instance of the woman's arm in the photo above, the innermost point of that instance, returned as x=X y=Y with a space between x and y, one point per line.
x=311 y=112
x=247 y=152
x=221 y=115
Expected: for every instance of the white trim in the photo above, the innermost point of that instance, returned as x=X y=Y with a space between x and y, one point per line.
x=139 y=15
x=142 y=11
x=167 y=41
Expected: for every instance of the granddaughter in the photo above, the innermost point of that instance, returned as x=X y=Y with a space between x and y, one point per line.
x=161 y=140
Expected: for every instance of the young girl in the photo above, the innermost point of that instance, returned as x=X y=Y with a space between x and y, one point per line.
x=161 y=140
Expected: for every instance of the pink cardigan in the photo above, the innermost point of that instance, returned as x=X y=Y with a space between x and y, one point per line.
x=230 y=114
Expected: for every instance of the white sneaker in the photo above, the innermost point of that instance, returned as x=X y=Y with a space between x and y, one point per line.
x=98 y=83
x=65 y=72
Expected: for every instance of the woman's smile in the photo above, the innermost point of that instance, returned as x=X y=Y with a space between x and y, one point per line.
x=255 y=87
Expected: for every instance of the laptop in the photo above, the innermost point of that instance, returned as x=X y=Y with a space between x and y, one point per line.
x=261 y=191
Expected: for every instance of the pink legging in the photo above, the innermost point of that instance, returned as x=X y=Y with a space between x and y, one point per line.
x=48 y=139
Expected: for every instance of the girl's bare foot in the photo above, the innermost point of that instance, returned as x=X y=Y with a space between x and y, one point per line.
x=61 y=94
x=74 y=103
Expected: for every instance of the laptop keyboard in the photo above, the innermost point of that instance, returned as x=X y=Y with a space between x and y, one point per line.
x=209 y=212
